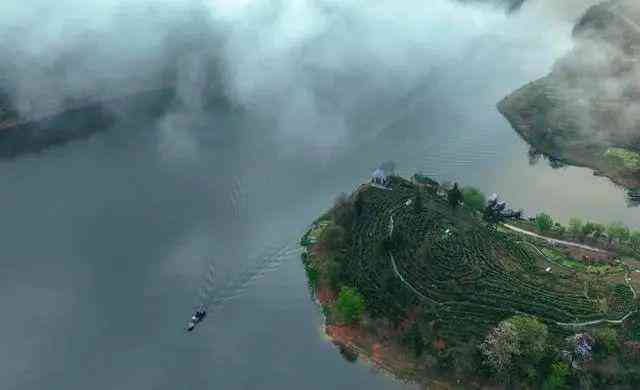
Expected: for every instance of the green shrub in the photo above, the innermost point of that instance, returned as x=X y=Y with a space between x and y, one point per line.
x=623 y=157
x=454 y=196
x=588 y=229
x=350 y=305
x=557 y=378
x=544 y=222
x=617 y=231
x=606 y=339
x=598 y=230
x=473 y=198
x=532 y=336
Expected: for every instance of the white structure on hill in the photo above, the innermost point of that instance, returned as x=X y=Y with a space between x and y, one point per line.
x=379 y=177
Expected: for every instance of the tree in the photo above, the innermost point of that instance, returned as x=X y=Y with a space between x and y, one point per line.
x=617 y=231
x=454 y=196
x=559 y=229
x=333 y=237
x=417 y=201
x=575 y=227
x=413 y=339
x=557 y=378
x=473 y=199
x=492 y=216
x=521 y=339
x=343 y=211
x=598 y=230
x=350 y=305
x=588 y=229
x=580 y=347
x=632 y=349
x=358 y=205
x=531 y=334
x=634 y=237
x=500 y=347
x=606 y=339
x=544 y=222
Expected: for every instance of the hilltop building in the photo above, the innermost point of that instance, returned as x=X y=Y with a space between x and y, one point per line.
x=380 y=177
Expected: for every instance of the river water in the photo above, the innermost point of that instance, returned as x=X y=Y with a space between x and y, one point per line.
x=109 y=243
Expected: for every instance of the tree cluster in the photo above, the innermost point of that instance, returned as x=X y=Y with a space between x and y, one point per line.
x=454 y=196
x=343 y=211
x=473 y=199
x=544 y=222
x=521 y=350
x=518 y=342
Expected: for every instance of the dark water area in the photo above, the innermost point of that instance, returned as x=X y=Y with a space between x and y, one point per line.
x=109 y=242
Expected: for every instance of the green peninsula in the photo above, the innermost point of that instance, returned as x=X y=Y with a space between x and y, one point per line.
x=423 y=287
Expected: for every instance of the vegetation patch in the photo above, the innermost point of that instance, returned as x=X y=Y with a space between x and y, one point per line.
x=421 y=270
x=623 y=157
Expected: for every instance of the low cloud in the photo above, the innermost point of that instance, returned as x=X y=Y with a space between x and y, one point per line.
x=604 y=76
x=323 y=72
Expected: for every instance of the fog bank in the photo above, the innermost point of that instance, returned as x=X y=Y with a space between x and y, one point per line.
x=324 y=72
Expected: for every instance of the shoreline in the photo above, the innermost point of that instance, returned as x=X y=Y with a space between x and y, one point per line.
x=577 y=154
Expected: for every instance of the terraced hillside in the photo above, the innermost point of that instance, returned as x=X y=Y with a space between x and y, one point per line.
x=466 y=274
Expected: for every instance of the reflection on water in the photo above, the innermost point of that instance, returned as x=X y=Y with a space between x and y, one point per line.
x=348 y=354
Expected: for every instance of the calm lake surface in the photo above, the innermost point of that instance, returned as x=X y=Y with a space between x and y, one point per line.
x=109 y=243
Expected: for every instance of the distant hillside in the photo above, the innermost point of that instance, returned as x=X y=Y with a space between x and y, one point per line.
x=31 y=134
x=56 y=115
x=509 y=5
x=590 y=102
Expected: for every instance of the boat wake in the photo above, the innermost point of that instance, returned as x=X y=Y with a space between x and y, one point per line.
x=210 y=297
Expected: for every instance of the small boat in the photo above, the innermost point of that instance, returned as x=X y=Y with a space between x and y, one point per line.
x=196 y=318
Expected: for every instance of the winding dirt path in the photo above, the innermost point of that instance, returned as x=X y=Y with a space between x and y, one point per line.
x=543 y=255
x=553 y=240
